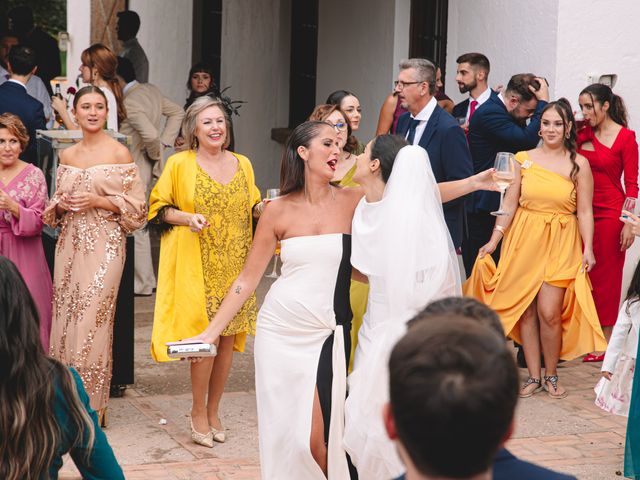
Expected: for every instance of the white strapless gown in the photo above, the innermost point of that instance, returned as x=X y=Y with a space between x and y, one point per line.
x=303 y=334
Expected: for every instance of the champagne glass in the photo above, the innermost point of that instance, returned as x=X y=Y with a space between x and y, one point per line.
x=504 y=175
x=271 y=194
x=629 y=205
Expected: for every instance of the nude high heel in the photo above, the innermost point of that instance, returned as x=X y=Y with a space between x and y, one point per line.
x=218 y=435
x=204 y=439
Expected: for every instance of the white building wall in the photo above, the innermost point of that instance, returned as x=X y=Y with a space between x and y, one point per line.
x=166 y=37
x=356 y=53
x=594 y=37
x=517 y=36
x=255 y=62
x=79 y=28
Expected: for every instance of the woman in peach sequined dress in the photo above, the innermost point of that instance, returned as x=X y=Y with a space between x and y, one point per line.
x=98 y=200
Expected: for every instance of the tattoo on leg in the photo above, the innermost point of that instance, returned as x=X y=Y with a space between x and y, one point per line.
x=238 y=288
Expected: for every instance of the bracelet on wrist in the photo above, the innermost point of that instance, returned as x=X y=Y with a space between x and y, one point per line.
x=500 y=229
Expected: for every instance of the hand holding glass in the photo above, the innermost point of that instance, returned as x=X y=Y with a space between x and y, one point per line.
x=504 y=175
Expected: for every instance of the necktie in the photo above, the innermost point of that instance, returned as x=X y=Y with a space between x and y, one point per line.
x=472 y=108
x=412 y=130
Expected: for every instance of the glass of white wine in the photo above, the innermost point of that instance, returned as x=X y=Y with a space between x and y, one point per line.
x=271 y=194
x=504 y=175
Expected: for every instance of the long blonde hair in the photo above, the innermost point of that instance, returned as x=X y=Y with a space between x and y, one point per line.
x=29 y=380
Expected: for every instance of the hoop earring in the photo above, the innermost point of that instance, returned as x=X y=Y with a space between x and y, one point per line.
x=540 y=133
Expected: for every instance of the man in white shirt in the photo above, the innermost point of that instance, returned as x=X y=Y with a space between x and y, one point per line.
x=35 y=86
x=127 y=28
x=472 y=77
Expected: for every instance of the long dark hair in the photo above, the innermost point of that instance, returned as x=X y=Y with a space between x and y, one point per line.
x=28 y=377
x=213 y=88
x=385 y=148
x=292 y=166
x=335 y=98
x=563 y=108
x=633 y=293
x=602 y=93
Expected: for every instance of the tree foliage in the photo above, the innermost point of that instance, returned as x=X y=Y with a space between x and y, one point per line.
x=51 y=15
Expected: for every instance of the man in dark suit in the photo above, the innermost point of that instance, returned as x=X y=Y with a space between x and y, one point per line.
x=499 y=125
x=14 y=98
x=505 y=465
x=45 y=46
x=428 y=125
x=472 y=76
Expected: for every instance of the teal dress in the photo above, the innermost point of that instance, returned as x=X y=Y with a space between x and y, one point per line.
x=101 y=463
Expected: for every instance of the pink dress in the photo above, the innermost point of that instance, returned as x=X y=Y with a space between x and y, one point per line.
x=21 y=240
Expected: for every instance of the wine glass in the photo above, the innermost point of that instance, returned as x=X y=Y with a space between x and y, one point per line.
x=629 y=205
x=271 y=194
x=504 y=175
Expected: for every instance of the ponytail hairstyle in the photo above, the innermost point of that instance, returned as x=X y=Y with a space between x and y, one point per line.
x=322 y=112
x=105 y=62
x=292 y=167
x=563 y=108
x=29 y=380
x=602 y=93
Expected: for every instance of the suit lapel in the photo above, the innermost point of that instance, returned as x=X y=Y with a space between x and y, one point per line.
x=430 y=128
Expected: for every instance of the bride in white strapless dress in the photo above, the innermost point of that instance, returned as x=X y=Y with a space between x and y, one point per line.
x=401 y=243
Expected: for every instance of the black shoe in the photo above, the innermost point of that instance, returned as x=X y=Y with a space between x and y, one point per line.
x=117 y=391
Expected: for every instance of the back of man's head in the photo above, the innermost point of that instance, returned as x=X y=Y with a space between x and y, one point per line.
x=21 y=60
x=463 y=306
x=453 y=392
x=128 y=24
x=519 y=86
x=476 y=60
x=125 y=70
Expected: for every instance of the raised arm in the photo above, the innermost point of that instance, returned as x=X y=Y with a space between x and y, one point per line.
x=584 y=189
x=264 y=244
x=509 y=205
x=385 y=120
x=458 y=188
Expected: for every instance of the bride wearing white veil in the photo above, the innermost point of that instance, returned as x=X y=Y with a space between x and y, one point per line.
x=401 y=243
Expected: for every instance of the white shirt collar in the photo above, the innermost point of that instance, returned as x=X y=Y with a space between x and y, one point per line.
x=502 y=99
x=426 y=112
x=129 y=86
x=483 y=97
x=18 y=82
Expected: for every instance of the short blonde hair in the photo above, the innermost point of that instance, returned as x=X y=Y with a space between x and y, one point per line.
x=189 y=123
x=16 y=128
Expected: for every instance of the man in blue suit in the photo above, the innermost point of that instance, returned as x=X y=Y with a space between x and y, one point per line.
x=428 y=125
x=499 y=125
x=472 y=76
x=14 y=98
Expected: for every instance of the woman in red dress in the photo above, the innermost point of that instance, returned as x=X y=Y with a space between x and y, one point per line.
x=612 y=150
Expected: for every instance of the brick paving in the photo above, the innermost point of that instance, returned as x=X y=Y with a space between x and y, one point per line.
x=571 y=435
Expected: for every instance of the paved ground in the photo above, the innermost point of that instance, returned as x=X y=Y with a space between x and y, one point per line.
x=570 y=435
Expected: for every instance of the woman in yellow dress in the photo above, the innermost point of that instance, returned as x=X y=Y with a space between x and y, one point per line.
x=540 y=288
x=203 y=203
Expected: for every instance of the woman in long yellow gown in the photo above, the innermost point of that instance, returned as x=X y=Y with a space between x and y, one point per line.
x=540 y=287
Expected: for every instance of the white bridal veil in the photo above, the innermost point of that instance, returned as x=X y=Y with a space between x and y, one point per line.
x=406 y=241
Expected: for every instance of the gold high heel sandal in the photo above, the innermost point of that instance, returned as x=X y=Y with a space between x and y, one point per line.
x=204 y=439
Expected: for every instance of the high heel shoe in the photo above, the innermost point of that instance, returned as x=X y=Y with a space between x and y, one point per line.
x=218 y=435
x=204 y=439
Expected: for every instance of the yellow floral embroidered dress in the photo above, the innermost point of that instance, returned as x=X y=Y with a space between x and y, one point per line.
x=196 y=270
x=542 y=245
x=90 y=254
x=225 y=244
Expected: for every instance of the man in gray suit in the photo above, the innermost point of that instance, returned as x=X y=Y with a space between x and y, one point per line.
x=146 y=107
